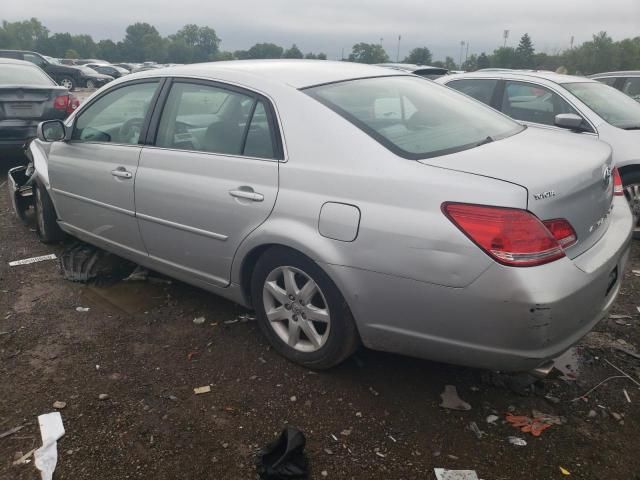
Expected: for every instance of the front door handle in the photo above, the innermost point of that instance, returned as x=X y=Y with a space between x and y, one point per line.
x=121 y=172
x=247 y=193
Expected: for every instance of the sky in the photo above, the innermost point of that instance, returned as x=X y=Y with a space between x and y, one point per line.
x=333 y=25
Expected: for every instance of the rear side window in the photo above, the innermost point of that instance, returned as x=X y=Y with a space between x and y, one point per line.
x=529 y=102
x=480 y=89
x=35 y=59
x=607 y=80
x=23 y=75
x=217 y=120
x=414 y=118
x=631 y=87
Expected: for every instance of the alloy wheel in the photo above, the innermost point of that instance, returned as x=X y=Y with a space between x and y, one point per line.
x=296 y=309
x=66 y=83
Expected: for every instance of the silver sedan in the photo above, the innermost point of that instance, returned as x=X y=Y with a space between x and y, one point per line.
x=346 y=204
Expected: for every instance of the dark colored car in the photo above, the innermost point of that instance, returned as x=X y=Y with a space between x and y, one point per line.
x=425 y=71
x=67 y=76
x=627 y=82
x=111 y=70
x=27 y=97
x=92 y=78
x=127 y=66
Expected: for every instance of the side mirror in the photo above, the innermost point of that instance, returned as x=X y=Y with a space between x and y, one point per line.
x=570 y=121
x=51 y=131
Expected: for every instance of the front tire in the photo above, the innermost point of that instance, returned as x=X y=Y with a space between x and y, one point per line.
x=301 y=311
x=631 y=183
x=68 y=83
x=46 y=218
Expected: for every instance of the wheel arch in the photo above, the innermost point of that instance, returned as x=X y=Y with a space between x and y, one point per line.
x=629 y=168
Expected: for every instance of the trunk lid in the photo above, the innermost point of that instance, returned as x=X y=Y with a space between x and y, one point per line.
x=566 y=175
x=30 y=103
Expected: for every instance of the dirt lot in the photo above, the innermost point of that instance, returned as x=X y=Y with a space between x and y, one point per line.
x=377 y=416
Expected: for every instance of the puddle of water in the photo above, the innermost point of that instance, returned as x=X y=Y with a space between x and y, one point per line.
x=568 y=364
x=129 y=297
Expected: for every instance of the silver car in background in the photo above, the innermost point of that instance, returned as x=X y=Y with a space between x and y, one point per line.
x=346 y=204
x=564 y=102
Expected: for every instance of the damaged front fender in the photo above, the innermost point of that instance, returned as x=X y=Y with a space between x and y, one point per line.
x=21 y=179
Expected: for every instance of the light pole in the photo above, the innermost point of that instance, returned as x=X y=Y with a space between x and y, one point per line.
x=505 y=35
x=461 y=49
x=398 y=52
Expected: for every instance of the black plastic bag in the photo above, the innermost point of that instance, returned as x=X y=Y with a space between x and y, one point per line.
x=284 y=459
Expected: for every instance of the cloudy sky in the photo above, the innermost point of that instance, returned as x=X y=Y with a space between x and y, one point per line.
x=333 y=25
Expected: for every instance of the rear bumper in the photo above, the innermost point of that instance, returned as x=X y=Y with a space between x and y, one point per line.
x=510 y=319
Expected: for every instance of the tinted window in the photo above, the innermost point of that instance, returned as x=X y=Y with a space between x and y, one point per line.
x=414 y=118
x=23 y=75
x=35 y=59
x=529 y=102
x=480 y=89
x=116 y=117
x=631 y=87
x=612 y=105
x=212 y=119
x=607 y=80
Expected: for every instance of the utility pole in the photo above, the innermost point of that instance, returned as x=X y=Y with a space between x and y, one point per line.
x=506 y=36
x=398 y=52
x=342 y=56
x=466 y=56
x=461 y=49
x=572 y=39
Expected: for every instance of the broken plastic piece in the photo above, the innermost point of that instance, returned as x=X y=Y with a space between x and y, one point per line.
x=564 y=471
x=517 y=441
x=451 y=400
x=445 y=474
x=27 y=261
x=535 y=425
x=200 y=390
x=51 y=430
x=284 y=458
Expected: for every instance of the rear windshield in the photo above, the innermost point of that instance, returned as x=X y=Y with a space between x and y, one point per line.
x=23 y=75
x=413 y=118
x=612 y=105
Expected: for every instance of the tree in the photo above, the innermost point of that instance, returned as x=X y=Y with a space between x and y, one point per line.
x=483 y=61
x=293 y=52
x=504 y=57
x=71 y=54
x=419 y=56
x=470 y=64
x=202 y=43
x=265 y=50
x=142 y=42
x=220 y=56
x=107 y=50
x=368 y=53
x=450 y=64
x=241 y=54
x=524 y=57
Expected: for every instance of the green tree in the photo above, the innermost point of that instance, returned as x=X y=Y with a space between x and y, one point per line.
x=141 y=42
x=368 y=53
x=220 y=56
x=419 y=56
x=241 y=54
x=313 y=56
x=504 y=57
x=470 y=64
x=107 y=50
x=24 y=35
x=202 y=42
x=178 y=51
x=525 y=52
x=71 y=54
x=293 y=52
x=483 y=61
x=265 y=50
x=450 y=64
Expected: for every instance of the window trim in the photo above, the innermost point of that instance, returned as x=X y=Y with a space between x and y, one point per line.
x=145 y=124
x=274 y=125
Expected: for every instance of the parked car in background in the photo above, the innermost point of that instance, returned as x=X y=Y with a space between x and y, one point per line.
x=627 y=82
x=85 y=61
x=110 y=70
x=397 y=213
x=564 y=102
x=91 y=78
x=146 y=66
x=65 y=75
x=128 y=66
x=420 y=70
x=27 y=97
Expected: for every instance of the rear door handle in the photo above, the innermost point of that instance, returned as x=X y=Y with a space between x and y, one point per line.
x=247 y=193
x=121 y=172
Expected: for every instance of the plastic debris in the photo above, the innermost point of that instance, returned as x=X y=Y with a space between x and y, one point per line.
x=231 y=322
x=564 y=471
x=473 y=426
x=445 y=474
x=103 y=396
x=284 y=458
x=201 y=390
x=59 y=405
x=199 y=320
x=82 y=309
x=626 y=395
x=51 y=430
x=614 y=316
x=526 y=424
x=517 y=441
x=451 y=400
x=27 y=261
x=24 y=459
x=492 y=419
x=11 y=431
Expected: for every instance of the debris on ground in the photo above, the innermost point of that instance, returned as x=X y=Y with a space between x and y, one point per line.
x=517 y=441
x=13 y=430
x=614 y=316
x=82 y=309
x=24 y=459
x=201 y=390
x=199 y=320
x=534 y=425
x=564 y=471
x=244 y=318
x=58 y=405
x=284 y=458
x=492 y=419
x=83 y=263
x=373 y=392
x=27 y=261
x=626 y=395
x=231 y=322
x=103 y=396
x=445 y=474
x=140 y=274
x=451 y=400
x=473 y=426
x=51 y=430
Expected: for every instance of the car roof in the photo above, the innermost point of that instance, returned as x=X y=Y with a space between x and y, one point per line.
x=408 y=66
x=523 y=75
x=622 y=73
x=295 y=73
x=14 y=61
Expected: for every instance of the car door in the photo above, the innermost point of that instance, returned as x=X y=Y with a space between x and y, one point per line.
x=482 y=89
x=92 y=175
x=209 y=178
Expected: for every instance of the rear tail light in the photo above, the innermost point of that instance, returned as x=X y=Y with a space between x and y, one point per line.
x=67 y=103
x=618 y=189
x=511 y=236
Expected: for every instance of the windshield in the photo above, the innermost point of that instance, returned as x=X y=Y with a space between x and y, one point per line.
x=23 y=75
x=413 y=118
x=613 y=106
x=52 y=60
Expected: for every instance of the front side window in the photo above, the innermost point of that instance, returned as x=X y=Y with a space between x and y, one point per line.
x=613 y=106
x=212 y=119
x=481 y=89
x=414 y=118
x=35 y=59
x=607 y=80
x=631 y=87
x=529 y=102
x=11 y=74
x=116 y=117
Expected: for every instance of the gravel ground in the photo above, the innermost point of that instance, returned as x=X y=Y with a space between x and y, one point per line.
x=377 y=416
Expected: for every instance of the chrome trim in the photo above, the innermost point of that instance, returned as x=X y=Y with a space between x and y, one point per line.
x=179 y=226
x=215 y=154
x=94 y=202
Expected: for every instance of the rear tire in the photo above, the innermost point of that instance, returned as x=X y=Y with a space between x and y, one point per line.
x=311 y=323
x=91 y=84
x=68 y=83
x=631 y=183
x=46 y=218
